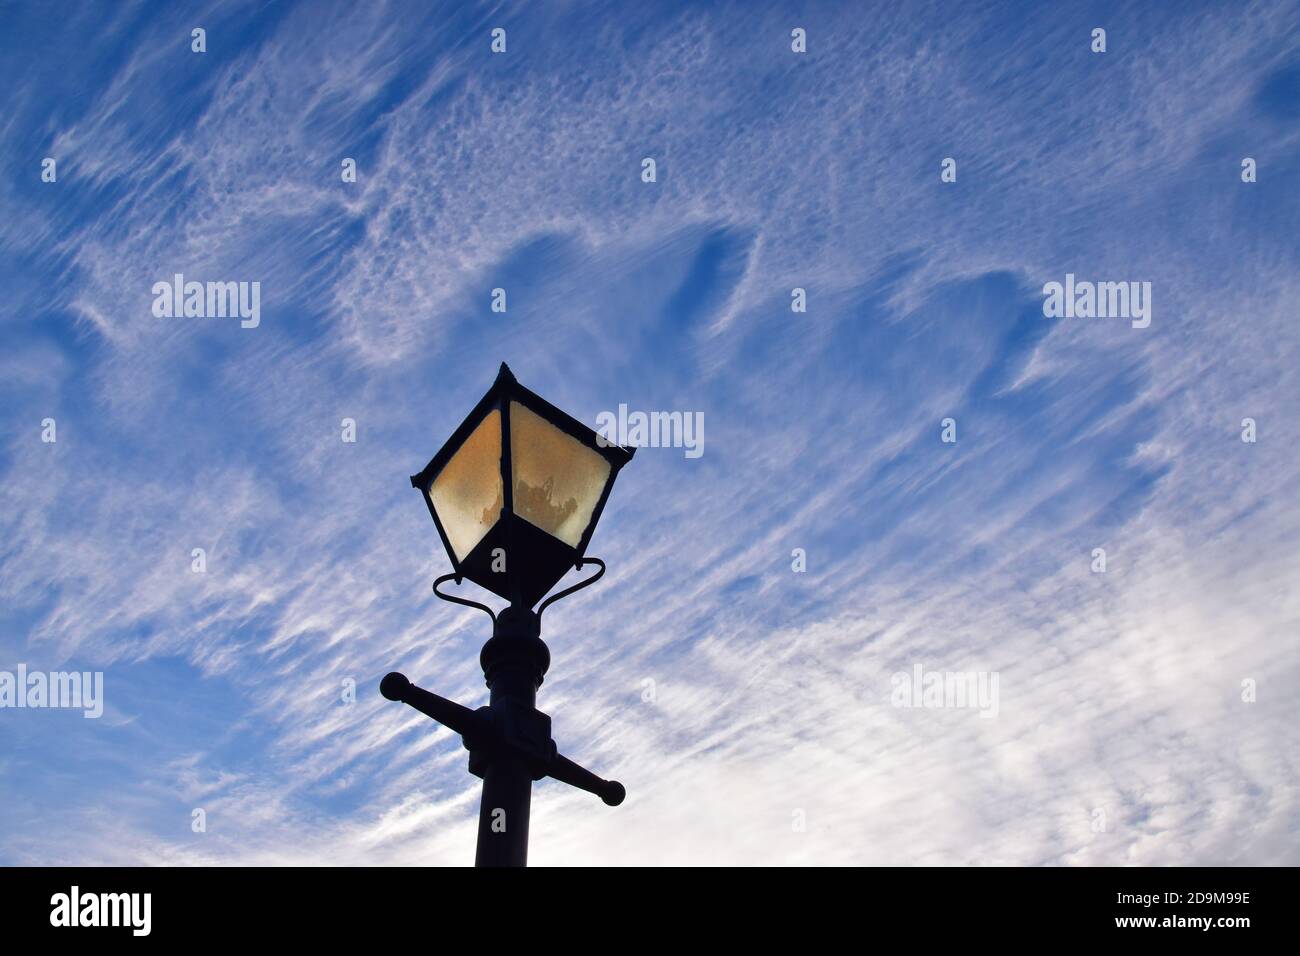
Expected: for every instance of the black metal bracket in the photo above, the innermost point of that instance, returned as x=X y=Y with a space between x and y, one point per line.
x=577 y=587
x=454 y=599
x=460 y=600
x=489 y=731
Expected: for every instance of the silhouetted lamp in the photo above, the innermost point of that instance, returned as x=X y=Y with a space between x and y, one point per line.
x=515 y=492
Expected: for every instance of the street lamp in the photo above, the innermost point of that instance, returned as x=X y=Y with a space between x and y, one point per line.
x=515 y=494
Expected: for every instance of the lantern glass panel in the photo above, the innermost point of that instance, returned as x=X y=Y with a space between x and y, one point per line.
x=557 y=480
x=467 y=494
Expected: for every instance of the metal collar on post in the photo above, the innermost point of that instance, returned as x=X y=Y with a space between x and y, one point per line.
x=516 y=644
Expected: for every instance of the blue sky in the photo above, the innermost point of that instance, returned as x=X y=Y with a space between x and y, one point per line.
x=1119 y=691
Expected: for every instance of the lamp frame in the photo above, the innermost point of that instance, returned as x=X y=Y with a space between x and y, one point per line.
x=505 y=390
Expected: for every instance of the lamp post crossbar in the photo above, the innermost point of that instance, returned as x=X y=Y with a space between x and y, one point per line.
x=509 y=741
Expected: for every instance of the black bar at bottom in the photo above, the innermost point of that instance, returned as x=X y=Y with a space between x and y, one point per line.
x=334 y=907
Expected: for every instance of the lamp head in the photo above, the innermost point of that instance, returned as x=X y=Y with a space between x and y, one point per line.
x=517 y=490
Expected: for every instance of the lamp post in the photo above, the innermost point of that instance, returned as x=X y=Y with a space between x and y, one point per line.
x=515 y=494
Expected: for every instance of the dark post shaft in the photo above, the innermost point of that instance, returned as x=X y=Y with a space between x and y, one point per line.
x=514 y=662
x=507 y=782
